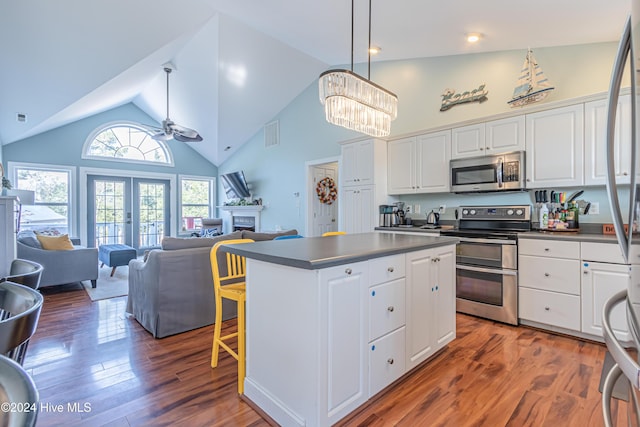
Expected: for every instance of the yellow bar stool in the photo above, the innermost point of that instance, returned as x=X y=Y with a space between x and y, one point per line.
x=229 y=283
x=333 y=233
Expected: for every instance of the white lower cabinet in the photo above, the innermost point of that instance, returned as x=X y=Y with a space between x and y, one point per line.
x=431 y=302
x=549 y=283
x=600 y=281
x=386 y=360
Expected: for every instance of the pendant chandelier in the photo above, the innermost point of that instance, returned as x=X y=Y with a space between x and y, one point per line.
x=356 y=103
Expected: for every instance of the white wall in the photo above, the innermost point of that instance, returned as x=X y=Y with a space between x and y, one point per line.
x=276 y=173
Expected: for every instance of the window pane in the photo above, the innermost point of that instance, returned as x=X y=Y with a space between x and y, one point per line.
x=128 y=142
x=195 y=202
x=51 y=212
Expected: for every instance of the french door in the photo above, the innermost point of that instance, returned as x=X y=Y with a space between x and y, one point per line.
x=130 y=211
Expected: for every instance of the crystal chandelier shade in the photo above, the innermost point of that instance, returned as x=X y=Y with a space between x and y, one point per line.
x=356 y=103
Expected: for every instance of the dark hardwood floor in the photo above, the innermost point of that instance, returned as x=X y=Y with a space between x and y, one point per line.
x=105 y=369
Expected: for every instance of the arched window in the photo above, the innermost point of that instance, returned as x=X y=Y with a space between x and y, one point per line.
x=126 y=142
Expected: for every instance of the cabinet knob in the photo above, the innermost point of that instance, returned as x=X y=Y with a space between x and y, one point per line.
x=547 y=249
x=547 y=309
x=390 y=309
x=390 y=269
x=390 y=361
x=528 y=180
x=585 y=272
x=625 y=173
x=481 y=148
x=546 y=274
x=348 y=271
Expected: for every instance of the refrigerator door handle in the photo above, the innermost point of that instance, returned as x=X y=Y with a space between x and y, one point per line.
x=614 y=91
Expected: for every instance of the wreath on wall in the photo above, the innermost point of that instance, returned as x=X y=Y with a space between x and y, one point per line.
x=327 y=191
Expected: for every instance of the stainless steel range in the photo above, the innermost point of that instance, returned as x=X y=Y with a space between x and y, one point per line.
x=487 y=260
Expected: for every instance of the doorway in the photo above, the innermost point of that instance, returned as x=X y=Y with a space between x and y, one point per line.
x=323 y=217
x=130 y=211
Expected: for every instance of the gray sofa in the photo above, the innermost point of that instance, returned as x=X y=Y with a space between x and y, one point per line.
x=59 y=267
x=172 y=290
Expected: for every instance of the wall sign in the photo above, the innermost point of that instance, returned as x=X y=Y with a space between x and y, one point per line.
x=451 y=98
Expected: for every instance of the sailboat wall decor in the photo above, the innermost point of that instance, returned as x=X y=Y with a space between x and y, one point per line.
x=532 y=86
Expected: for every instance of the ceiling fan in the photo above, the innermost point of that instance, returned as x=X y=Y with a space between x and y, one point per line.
x=169 y=128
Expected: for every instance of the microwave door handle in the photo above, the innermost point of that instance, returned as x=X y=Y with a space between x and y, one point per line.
x=499 y=173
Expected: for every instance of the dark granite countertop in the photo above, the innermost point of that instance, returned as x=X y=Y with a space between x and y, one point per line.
x=314 y=253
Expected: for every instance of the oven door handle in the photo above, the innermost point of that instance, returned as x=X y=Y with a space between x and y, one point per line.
x=488 y=270
x=493 y=241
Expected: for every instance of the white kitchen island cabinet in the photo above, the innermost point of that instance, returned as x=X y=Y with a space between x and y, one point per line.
x=326 y=320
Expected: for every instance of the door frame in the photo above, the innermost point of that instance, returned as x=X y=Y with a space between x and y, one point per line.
x=310 y=193
x=86 y=171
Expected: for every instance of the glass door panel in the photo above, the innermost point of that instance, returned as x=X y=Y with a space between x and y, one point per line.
x=151 y=205
x=109 y=210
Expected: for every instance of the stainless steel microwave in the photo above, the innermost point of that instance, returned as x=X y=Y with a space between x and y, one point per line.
x=499 y=172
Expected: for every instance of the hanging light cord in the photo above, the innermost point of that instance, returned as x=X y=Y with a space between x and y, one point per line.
x=352 y=20
x=369 y=47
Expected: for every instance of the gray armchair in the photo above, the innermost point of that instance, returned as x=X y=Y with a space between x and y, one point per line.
x=60 y=267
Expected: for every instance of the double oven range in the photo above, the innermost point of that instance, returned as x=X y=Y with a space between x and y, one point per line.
x=487 y=260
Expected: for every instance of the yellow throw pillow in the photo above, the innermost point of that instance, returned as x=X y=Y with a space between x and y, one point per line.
x=56 y=243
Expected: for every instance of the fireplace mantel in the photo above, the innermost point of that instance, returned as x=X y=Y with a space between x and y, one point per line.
x=244 y=211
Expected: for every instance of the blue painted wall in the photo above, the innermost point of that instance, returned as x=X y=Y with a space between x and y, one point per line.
x=275 y=174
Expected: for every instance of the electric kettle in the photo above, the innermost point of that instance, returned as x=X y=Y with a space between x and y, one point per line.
x=433 y=218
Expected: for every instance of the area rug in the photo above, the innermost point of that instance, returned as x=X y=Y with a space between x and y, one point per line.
x=107 y=286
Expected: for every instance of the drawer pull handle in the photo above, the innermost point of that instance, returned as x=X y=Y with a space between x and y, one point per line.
x=547 y=309
x=390 y=269
x=585 y=272
x=390 y=309
x=546 y=274
x=348 y=271
x=390 y=361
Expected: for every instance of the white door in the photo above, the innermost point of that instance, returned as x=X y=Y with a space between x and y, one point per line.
x=325 y=216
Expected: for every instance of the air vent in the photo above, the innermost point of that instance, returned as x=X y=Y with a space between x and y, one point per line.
x=21 y=117
x=272 y=134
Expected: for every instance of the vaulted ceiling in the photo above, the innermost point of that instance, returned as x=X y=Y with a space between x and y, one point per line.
x=239 y=63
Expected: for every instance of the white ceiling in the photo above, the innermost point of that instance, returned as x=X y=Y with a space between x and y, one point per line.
x=240 y=62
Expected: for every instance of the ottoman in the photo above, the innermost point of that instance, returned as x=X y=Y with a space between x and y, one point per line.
x=115 y=255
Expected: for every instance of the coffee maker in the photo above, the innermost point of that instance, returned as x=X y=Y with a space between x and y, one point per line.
x=387 y=215
x=398 y=210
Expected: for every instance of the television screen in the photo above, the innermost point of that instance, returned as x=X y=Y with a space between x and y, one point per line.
x=235 y=186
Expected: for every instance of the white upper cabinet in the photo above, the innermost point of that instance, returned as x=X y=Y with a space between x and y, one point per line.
x=595 y=141
x=358 y=163
x=505 y=135
x=419 y=164
x=494 y=137
x=554 y=142
x=468 y=141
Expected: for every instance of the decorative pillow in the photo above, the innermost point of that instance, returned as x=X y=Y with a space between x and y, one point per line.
x=209 y=232
x=28 y=237
x=55 y=243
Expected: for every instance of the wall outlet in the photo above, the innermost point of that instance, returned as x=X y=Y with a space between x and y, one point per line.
x=408 y=209
x=442 y=209
x=594 y=209
x=416 y=209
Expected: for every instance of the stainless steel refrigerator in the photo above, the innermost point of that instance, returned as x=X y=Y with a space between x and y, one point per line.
x=623 y=373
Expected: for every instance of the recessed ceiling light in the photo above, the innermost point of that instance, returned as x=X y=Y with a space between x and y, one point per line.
x=473 y=37
x=374 y=50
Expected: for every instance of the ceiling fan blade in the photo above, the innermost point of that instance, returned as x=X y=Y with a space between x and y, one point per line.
x=183 y=138
x=189 y=133
x=162 y=136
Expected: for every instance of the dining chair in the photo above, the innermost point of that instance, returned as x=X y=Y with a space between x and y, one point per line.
x=333 y=233
x=24 y=272
x=229 y=282
x=291 y=236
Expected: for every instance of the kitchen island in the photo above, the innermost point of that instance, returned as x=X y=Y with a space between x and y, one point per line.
x=332 y=321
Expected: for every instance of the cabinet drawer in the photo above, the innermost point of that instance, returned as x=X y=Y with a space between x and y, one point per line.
x=550 y=248
x=386 y=308
x=601 y=252
x=551 y=274
x=386 y=360
x=386 y=268
x=550 y=308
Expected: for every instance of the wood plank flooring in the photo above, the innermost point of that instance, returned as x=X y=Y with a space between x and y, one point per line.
x=90 y=353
